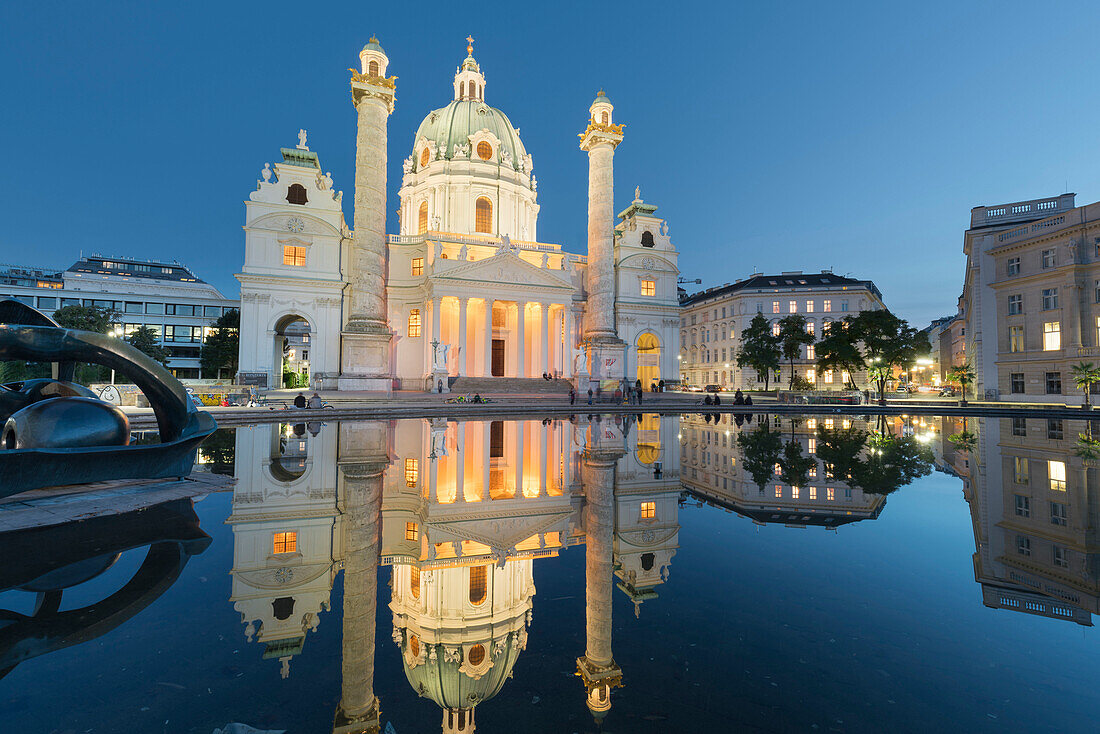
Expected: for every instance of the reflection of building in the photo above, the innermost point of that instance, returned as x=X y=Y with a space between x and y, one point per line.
x=464 y=509
x=1031 y=500
x=711 y=322
x=713 y=469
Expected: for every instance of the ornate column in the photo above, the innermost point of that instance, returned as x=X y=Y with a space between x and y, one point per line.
x=462 y=304
x=487 y=462
x=544 y=310
x=597 y=667
x=519 y=459
x=365 y=359
x=359 y=710
x=599 y=140
x=521 y=336
x=438 y=366
x=460 y=461
x=489 y=337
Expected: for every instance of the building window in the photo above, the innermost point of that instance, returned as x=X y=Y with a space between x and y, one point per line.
x=811 y=352
x=649 y=288
x=476 y=656
x=1054 y=383
x=792 y=306
x=1022 y=469
x=1060 y=556
x=414 y=322
x=809 y=306
x=296 y=194
x=827 y=305
x=294 y=256
x=775 y=307
x=1019 y=426
x=285 y=542
x=1048 y=259
x=1052 y=336
x=412 y=531
x=649 y=510
x=1057 y=514
x=830 y=494
x=1016 y=384
x=775 y=329
x=1054 y=428
x=604 y=119
x=418 y=266
x=1023 y=505
x=647 y=239
x=1015 y=304
x=414 y=589
x=1056 y=470
x=372 y=68
x=827 y=376
x=483 y=213
x=1023 y=545
x=422 y=214
x=478 y=580
x=1016 y=338
x=484 y=150
x=844 y=306
x=1097 y=291
x=1050 y=299
x=412 y=472
x=811 y=374
x=1013 y=266
x=425 y=156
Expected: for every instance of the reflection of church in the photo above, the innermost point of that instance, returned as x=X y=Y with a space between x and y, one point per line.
x=461 y=511
x=465 y=291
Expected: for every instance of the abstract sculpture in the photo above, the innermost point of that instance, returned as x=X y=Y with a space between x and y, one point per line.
x=57 y=432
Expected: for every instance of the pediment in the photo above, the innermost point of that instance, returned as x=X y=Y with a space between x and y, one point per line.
x=504 y=268
x=499 y=533
x=651 y=260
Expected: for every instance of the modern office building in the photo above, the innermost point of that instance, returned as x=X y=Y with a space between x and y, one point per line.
x=1031 y=297
x=166 y=297
x=711 y=323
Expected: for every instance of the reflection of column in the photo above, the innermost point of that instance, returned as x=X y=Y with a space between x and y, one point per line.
x=521 y=337
x=460 y=461
x=462 y=351
x=358 y=710
x=487 y=463
x=597 y=668
x=519 y=459
x=543 y=450
x=489 y=337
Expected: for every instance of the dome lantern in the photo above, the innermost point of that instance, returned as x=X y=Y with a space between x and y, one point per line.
x=469 y=81
x=601 y=110
x=373 y=60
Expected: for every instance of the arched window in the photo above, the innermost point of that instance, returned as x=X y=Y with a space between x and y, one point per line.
x=372 y=68
x=603 y=118
x=476 y=655
x=484 y=150
x=414 y=646
x=647 y=239
x=478 y=577
x=461 y=90
x=647 y=561
x=422 y=214
x=283 y=607
x=296 y=194
x=425 y=156
x=483 y=214
x=414 y=322
x=414 y=582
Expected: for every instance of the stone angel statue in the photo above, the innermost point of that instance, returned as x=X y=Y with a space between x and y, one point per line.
x=407 y=164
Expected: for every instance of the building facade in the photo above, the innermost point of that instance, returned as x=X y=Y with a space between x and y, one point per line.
x=712 y=321
x=464 y=294
x=1031 y=298
x=166 y=297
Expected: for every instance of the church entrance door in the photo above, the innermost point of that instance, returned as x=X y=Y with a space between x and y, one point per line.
x=498 y=358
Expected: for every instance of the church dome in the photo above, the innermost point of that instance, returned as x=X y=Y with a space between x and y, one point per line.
x=454 y=124
x=450 y=687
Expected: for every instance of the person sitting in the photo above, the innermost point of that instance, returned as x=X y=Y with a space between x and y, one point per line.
x=717 y=400
x=708 y=401
x=477 y=397
x=315 y=401
x=739 y=397
x=748 y=400
x=300 y=401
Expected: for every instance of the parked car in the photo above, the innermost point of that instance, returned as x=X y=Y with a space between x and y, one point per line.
x=691 y=388
x=712 y=388
x=947 y=392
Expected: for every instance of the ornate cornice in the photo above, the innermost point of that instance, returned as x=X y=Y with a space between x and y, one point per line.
x=365 y=86
x=596 y=134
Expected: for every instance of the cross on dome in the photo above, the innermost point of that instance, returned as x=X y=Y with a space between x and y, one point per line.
x=469 y=82
x=470 y=45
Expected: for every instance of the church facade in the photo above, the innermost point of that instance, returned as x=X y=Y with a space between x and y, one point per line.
x=464 y=295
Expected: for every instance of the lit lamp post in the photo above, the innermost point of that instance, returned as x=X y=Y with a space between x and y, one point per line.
x=116 y=332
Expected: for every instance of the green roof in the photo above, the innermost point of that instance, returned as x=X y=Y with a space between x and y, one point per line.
x=460 y=119
x=639 y=207
x=373 y=45
x=450 y=688
x=301 y=158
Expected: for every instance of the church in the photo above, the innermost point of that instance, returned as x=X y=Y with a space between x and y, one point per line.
x=464 y=296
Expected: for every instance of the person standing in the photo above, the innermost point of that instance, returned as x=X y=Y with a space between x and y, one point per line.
x=589 y=396
x=572 y=395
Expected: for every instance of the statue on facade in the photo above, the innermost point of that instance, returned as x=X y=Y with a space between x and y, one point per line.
x=266 y=173
x=324 y=181
x=664 y=227
x=462 y=252
x=435 y=224
x=302 y=140
x=407 y=165
x=439 y=356
x=578 y=360
x=637 y=193
x=545 y=261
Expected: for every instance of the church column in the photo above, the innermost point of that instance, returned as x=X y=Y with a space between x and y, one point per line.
x=544 y=309
x=463 y=352
x=570 y=339
x=488 y=372
x=359 y=710
x=521 y=348
x=366 y=339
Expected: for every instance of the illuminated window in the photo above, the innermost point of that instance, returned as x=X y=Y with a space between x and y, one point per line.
x=1057 y=472
x=1016 y=338
x=412 y=472
x=425 y=156
x=811 y=447
x=809 y=306
x=294 y=256
x=813 y=493
x=829 y=424
x=286 y=542
x=1023 y=474
x=414 y=322
x=826 y=305
x=844 y=377
x=811 y=374
x=811 y=423
x=795 y=492
x=792 y=306
x=476 y=656
x=1052 y=336
x=422 y=212
x=775 y=306
x=484 y=150
x=414 y=646
x=810 y=328
x=649 y=288
x=775 y=329
x=414 y=588
x=830 y=494
x=845 y=423
x=418 y=266
x=603 y=118
x=810 y=352
x=412 y=531
x=296 y=194
x=649 y=510
x=372 y=68
x=483 y=213
x=827 y=376
x=778 y=491
x=478 y=584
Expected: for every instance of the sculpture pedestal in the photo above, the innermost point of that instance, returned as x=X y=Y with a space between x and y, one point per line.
x=368 y=722
x=365 y=361
x=437 y=376
x=605 y=360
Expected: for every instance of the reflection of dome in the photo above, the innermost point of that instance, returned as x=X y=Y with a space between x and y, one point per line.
x=455 y=123
x=446 y=675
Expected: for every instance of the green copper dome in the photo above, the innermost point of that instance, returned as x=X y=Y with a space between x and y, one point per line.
x=456 y=122
x=601 y=97
x=450 y=688
x=373 y=45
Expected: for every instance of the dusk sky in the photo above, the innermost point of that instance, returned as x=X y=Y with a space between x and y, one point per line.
x=800 y=136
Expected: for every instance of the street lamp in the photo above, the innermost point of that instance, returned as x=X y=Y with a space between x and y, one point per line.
x=116 y=332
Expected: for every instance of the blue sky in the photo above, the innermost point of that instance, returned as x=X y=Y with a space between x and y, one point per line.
x=794 y=136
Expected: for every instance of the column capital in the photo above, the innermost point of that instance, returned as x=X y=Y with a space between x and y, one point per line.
x=596 y=135
x=373 y=88
x=364 y=469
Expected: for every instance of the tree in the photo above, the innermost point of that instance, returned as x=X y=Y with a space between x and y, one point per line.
x=760 y=451
x=145 y=340
x=792 y=336
x=759 y=348
x=888 y=342
x=962 y=375
x=794 y=466
x=222 y=346
x=1085 y=375
x=890 y=463
x=86 y=318
x=838 y=351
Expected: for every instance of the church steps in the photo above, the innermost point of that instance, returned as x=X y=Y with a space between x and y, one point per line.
x=489 y=385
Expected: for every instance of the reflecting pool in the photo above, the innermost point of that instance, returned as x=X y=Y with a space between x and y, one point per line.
x=641 y=574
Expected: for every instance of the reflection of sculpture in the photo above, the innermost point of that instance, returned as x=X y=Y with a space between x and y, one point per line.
x=43 y=447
